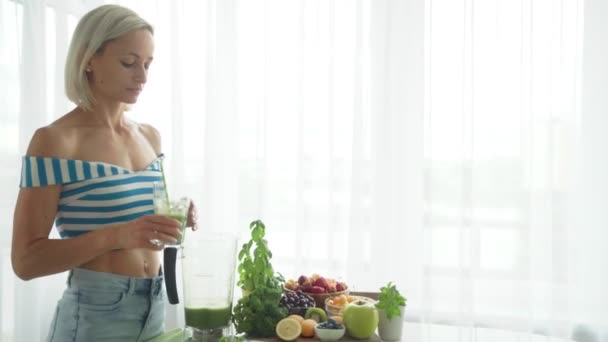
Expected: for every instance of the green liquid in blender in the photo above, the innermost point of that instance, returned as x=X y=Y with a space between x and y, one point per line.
x=207 y=318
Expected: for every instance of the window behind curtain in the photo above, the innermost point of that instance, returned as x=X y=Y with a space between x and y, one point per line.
x=501 y=118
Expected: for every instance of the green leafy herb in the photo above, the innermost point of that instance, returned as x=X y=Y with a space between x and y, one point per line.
x=255 y=269
x=257 y=313
x=390 y=300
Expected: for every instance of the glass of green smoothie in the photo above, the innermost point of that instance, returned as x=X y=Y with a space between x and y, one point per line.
x=176 y=208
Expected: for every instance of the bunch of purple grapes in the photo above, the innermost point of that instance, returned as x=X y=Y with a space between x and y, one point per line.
x=292 y=300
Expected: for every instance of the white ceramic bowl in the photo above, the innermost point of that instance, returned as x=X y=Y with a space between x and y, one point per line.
x=325 y=334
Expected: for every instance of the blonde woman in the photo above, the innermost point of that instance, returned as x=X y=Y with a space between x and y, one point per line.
x=91 y=173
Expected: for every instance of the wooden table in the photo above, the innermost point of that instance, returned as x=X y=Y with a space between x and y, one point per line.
x=423 y=332
x=428 y=332
x=303 y=339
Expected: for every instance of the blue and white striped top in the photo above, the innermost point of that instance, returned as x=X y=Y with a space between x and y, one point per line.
x=94 y=194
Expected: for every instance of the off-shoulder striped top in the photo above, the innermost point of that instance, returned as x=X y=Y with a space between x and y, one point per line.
x=94 y=194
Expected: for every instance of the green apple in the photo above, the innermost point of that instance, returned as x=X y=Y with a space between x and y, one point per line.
x=361 y=319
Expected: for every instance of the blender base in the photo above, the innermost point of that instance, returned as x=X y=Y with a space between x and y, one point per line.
x=208 y=335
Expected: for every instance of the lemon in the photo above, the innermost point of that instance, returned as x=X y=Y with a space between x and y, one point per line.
x=298 y=318
x=288 y=329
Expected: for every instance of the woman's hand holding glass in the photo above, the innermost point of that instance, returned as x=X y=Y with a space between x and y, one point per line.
x=140 y=232
x=182 y=209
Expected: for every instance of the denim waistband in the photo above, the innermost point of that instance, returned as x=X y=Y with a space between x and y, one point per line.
x=86 y=279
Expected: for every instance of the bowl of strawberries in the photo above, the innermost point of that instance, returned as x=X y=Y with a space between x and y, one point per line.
x=318 y=287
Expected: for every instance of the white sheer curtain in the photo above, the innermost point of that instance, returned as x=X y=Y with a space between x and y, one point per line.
x=453 y=147
x=501 y=119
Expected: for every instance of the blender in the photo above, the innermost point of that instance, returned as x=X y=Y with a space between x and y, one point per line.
x=208 y=264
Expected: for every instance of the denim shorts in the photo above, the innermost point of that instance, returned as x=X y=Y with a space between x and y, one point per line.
x=99 y=306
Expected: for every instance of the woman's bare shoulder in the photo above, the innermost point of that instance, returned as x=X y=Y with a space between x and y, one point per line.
x=54 y=140
x=48 y=141
x=152 y=135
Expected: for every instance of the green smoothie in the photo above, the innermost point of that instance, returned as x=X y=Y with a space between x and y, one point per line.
x=181 y=218
x=208 y=318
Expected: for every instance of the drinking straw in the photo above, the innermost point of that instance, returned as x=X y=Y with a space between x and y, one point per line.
x=162 y=171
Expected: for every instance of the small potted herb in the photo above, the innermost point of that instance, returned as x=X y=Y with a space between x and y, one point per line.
x=390 y=305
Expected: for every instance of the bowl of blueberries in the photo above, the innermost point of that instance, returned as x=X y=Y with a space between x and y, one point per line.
x=296 y=302
x=329 y=330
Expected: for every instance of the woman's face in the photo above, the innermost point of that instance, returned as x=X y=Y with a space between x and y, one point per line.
x=119 y=72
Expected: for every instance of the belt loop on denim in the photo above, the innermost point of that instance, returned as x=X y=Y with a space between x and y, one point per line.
x=69 y=280
x=157 y=284
x=132 y=286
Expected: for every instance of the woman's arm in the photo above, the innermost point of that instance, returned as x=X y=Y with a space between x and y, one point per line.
x=34 y=255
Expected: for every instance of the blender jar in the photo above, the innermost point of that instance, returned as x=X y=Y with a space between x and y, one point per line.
x=208 y=270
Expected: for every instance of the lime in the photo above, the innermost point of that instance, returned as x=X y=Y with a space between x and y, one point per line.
x=288 y=329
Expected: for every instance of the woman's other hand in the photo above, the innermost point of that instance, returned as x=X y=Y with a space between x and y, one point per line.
x=192 y=216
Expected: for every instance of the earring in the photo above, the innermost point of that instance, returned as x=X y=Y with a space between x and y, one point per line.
x=87 y=69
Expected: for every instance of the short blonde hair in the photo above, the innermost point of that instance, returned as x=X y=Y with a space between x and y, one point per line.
x=93 y=31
